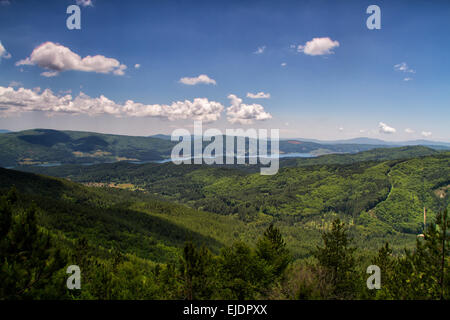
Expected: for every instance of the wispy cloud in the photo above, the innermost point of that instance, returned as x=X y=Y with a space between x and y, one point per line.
x=3 y=53
x=85 y=3
x=260 y=50
x=409 y=130
x=259 y=95
x=201 y=79
x=318 y=46
x=427 y=134
x=57 y=58
x=15 y=84
x=403 y=67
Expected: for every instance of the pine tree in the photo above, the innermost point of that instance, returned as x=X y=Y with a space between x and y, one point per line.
x=337 y=260
x=30 y=267
x=271 y=247
x=430 y=261
x=196 y=267
x=421 y=273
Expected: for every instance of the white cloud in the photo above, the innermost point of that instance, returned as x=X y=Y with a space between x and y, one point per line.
x=409 y=131
x=57 y=58
x=13 y=102
x=245 y=113
x=121 y=70
x=407 y=79
x=318 y=47
x=403 y=67
x=260 y=50
x=203 y=78
x=341 y=129
x=259 y=95
x=283 y=64
x=49 y=74
x=85 y=3
x=3 y=53
x=384 y=128
x=137 y=66
x=426 y=134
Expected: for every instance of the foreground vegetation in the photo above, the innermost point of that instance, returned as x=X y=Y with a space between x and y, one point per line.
x=33 y=263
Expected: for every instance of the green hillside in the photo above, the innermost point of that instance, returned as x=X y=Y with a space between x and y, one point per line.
x=376 y=197
x=50 y=147
x=41 y=146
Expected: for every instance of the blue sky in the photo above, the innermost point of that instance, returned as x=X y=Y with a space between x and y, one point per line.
x=351 y=90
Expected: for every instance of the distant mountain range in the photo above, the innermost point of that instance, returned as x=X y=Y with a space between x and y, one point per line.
x=372 y=141
x=359 y=140
x=4 y=131
x=49 y=147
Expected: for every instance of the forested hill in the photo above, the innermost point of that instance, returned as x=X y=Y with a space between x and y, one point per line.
x=113 y=218
x=41 y=146
x=379 y=198
x=45 y=146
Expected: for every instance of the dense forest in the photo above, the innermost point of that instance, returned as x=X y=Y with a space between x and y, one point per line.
x=161 y=231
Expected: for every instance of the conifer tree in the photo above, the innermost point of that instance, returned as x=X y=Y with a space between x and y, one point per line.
x=336 y=258
x=30 y=267
x=271 y=247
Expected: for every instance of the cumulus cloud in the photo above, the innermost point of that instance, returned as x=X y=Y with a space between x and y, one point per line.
x=426 y=134
x=201 y=79
x=384 y=128
x=56 y=58
x=13 y=102
x=85 y=3
x=245 y=113
x=137 y=66
x=260 y=50
x=403 y=67
x=3 y=53
x=259 y=95
x=318 y=46
x=409 y=130
x=283 y=64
